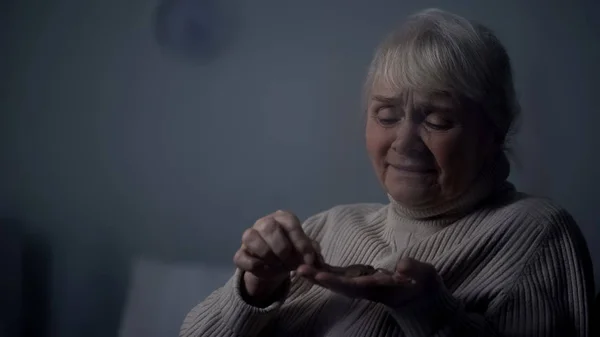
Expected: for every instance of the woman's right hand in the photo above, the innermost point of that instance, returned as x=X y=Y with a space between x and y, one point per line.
x=271 y=249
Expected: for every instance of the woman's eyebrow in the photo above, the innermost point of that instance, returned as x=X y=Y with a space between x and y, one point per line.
x=439 y=107
x=385 y=99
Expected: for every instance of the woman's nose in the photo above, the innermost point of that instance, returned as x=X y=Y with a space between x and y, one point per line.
x=408 y=139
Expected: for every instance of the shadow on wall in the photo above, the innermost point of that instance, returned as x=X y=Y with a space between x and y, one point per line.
x=42 y=279
x=37 y=262
x=26 y=261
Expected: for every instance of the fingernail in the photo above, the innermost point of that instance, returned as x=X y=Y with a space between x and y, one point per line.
x=309 y=259
x=404 y=280
x=399 y=278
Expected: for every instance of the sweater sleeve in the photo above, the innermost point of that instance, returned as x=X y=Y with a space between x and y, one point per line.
x=551 y=296
x=224 y=313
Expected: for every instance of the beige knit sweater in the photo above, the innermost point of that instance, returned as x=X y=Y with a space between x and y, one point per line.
x=512 y=265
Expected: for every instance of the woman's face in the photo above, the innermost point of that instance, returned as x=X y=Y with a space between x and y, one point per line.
x=425 y=149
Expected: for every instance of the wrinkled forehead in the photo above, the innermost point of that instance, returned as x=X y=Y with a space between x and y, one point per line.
x=384 y=91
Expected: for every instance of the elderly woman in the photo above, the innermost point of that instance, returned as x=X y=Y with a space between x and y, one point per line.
x=456 y=252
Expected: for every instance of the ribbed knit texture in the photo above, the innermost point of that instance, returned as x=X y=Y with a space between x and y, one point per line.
x=512 y=265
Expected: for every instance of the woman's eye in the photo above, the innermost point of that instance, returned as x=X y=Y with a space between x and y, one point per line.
x=438 y=123
x=387 y=121
x=386 y=116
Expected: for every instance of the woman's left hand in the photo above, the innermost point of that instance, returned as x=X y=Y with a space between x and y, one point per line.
x=409 y=282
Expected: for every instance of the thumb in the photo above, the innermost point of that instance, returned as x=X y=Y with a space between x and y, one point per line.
x=320 y=261
x=316 y=246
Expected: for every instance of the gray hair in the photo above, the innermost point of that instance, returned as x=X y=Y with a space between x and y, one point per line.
x=437 y=51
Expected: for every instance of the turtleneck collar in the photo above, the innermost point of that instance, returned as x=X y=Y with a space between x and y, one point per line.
x=429 y=219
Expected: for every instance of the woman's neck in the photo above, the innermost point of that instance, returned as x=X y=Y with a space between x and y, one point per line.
x=491 y=179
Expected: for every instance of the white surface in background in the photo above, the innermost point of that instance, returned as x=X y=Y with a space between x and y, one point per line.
x=162 y=294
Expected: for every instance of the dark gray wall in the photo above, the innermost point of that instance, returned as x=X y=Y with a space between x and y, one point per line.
x=110 y=149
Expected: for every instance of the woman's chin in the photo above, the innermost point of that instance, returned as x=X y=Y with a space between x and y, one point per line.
x=413 y=196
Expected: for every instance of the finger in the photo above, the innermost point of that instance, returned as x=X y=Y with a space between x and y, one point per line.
x=406 y=265
x=378 y=279
x=316 y=246
x=306 y=270
x=336 y=281
x=255 y=245
x=325 y=279
x=320 y=261
x=256 y=266
x=416 y=271
x=403 y=279
x=275 y=237
x=384 y=271
x=302 y=243
x=348 y=286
